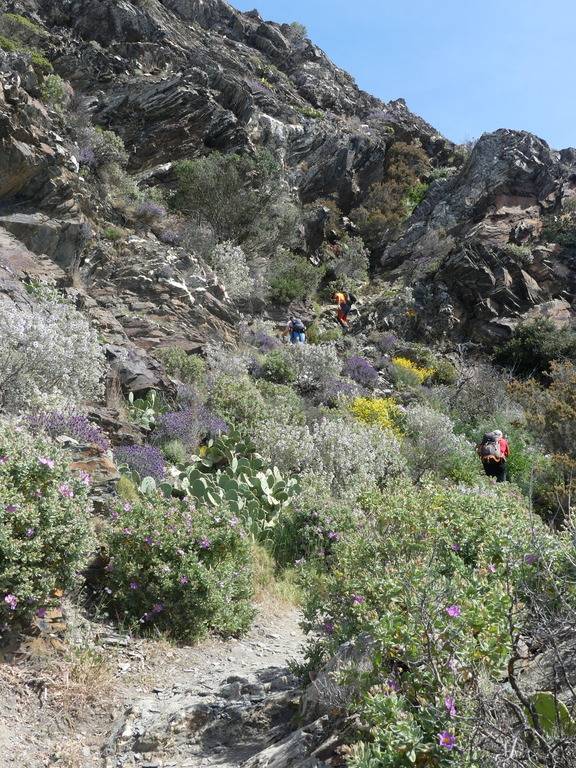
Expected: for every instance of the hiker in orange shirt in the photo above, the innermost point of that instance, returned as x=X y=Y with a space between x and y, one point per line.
x=345 y=302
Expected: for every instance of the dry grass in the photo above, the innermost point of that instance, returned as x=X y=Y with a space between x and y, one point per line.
x=270 y=589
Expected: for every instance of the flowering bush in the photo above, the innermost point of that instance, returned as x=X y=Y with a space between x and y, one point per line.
x=383 y=412
x=146 y=460
x=43 y=524
x=429 y=576
x=98 y=147
x=337 y=389
x=223 y=361
x=361 y=371
x=415 y=372
x=178 y=569
x=49 y=356
x=150 y=211
x=282 y=403
x=189 y=426
x=315 y=364
x=231 y=265
x=354 y=457
x=73 y=425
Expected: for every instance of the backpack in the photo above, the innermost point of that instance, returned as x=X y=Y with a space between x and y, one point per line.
x=351 y=298
x=297 y=325
x=489 y=449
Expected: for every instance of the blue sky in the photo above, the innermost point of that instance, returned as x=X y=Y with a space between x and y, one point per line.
x=466 y=66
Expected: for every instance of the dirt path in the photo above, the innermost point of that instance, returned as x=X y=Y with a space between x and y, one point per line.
x=47 y=721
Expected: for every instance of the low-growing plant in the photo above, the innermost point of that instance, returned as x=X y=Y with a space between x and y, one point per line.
x=43 y=525
x=315 y=365
x=238 y=402
x=444 y=372
x=361 y=371
x=230 y=263
x=146 y=460
x=74 y=425
x=113 y=233
x=277 y=367
x=409 y=372
x=383 y=412
x=53 y=90
x=189 y=369
x=178 y=568
x=190 y=426
x=289 y=447
x=282 y=403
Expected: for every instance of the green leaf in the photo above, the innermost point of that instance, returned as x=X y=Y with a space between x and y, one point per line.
x=552 y=713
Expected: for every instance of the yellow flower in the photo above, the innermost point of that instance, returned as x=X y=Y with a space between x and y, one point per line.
x=379 y=411
x=421 y=373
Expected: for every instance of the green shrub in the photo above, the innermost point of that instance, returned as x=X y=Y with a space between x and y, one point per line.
x=15 y=24
x=238 y=401
x=39 y=61
x=176 y=452
x=276 y=367
x=43 y=525
x=189 y=369
x=113 y=233
x=311 y=112
x=431 y=577
x=520 y=253
x=282 y=403
x=10 y=46
x=445 y=372
x=178 y=569
x=229 y=192
x=316 y=336
x=53 y=90
x=561 y=230
x=535 y=345
x=292 y=277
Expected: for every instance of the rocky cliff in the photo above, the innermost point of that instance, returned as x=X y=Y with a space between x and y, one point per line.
x=178 y=79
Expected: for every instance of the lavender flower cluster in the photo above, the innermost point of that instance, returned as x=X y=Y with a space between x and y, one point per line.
x=76 y=426
x=189 y=425
x=361 y=371
x=147 y=460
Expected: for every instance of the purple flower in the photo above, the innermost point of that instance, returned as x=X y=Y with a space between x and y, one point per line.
x=127 y=507
x=134 y=585
x=492 y=568
x=333 y=535
x=148 y=540
x=190 y=425
x=392 y=684
x=387 y=342
x=149 y=210
x=65 y=491
x=46 y=462
x=361 y=371
x=158 y=608
x=110 y=567
x=11 y=601
x=358 y=599
x=450 y=704
x=127 y=531
x=3 y=459
x=336 y=388
x=84 y=477
x=530 y=559
x=454 y=611
x=76 y=426
x=184 y=580
x=41 y=613
x=30 y=533
x=11 y=508
x=456 y=548
x=447 y=740
x=204 y=543
x=233 y=522
x=147 y=460
x=328 y=627
x=169 y=236
x=452 y=665
x=114 y=515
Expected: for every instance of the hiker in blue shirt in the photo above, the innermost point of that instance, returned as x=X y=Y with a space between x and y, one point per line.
x=296 y=330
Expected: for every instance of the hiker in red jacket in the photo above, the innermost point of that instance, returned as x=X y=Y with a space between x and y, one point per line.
x=494 y=452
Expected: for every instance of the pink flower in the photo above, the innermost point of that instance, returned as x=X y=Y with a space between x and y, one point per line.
x=450 y=704
x=455 y=547
x=447 y=740
x=358 y=599
x=3 y=459
x=454 y=611
x=11 y=508
x=204 y=543
x=46 y=462
x=85 y=478
x=65 y=491
x=234 y=522
x=333 y=535
x=127 y=507
x=184 y=580
x=492 y=568
x=11 y=601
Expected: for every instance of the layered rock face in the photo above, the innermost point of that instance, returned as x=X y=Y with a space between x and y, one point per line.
x=181 y=78
x=474 y=250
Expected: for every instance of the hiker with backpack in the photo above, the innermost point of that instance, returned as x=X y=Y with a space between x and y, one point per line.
x=494 y=452
x=345 y=302
x=296 y=329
